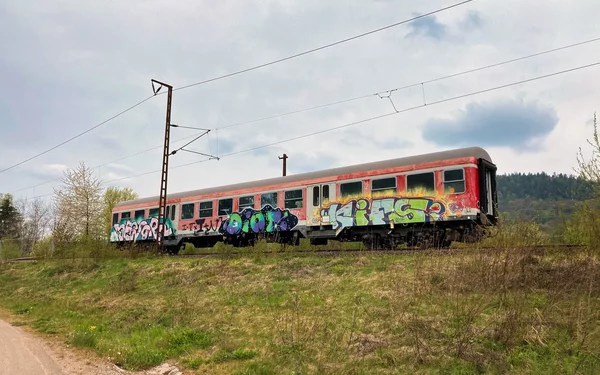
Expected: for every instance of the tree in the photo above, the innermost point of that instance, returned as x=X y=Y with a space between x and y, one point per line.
x=10 y=218
x=35 y=223
x=112 y=196
x=584 y=225
x=78 y=205
x=590 y=169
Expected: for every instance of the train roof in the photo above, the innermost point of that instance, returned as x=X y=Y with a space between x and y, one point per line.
x=476 y=152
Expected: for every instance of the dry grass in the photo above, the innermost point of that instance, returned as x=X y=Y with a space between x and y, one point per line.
x=509 y=310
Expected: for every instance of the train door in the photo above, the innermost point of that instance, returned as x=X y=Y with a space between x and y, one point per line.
x=488 y=195
x=490 y=198
x=318 y=197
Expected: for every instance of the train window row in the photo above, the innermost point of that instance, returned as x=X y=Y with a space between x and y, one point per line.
x=454 y=182
x=292 y=199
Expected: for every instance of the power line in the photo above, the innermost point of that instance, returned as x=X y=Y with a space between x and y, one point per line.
x=375 y=118
x=105 y=164
x=322 y=47
x=348 y=100
x=78 y=135
x=244 y=71
x=413 y=84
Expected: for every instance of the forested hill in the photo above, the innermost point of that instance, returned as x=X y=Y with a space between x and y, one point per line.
x=542 y=186
x=546 y=199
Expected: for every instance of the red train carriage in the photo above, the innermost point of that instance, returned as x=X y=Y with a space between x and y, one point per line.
x=428 y=199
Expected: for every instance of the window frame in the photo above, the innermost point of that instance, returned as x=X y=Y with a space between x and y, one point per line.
x=269 y=193
x=183 y=211
x=300 y=199
x=342 y=196
x=173 y=212
x=380 y=178
x=417 y=173
x=219 y=206
x=463 y=180
x=200 y=209
x=150 y=214
x=242 y=206
x=316 y=200
x=128 y=213
x=143 y=215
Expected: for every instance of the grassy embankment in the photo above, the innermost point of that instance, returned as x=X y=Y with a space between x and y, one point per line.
x=507 y=310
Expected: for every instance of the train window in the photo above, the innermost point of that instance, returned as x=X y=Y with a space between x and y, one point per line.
x=153 y=212
x=125 y=215
x=421 y=181
x=206 y=209
x=246 y=202
x=293 y=199
x=187 y=211
x=173 y=212
x=316 y=196
x=351 y=188
x=384 y=185
x=268 y=198
x=225 y=206
x=115 y=219
x=325 y=192
x=168 y=211
x=454 y=181
x=139 y=214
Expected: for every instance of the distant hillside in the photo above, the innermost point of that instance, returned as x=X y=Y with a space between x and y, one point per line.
x=545 y=198
x=543 y=186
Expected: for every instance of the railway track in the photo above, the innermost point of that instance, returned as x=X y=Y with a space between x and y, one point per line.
x=339 y=252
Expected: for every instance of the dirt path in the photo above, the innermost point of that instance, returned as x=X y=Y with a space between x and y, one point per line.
x=21 y=352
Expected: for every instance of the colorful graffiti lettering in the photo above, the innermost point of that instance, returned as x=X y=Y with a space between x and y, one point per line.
x=202 y=226
x=361 y=212
x=134 y=230
x=268 y=220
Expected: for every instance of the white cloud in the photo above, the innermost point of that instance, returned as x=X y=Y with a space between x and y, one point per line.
x=76 y=64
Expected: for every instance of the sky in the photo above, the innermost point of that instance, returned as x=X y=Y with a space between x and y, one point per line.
x=68 y=65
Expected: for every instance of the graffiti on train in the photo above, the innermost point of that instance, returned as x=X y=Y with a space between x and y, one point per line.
x=266 y=220
x=202 y=226
x=139 y=230
x=361 y=212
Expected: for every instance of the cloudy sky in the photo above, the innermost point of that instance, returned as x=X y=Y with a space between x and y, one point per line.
x=68 y=65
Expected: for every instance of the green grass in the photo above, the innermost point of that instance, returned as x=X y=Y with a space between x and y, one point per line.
x=490 y=311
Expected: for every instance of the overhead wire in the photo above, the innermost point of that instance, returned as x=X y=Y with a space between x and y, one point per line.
x=352 y=99
x=105 y=164
x=372 y=119
x=237 y=73
x=324 y=47
x=77 y=136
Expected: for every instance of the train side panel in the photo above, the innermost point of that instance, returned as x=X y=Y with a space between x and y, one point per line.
x=401 y=204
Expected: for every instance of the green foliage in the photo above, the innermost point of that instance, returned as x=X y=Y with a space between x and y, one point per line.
x=9 y=249
x=10 y=218
x=542 y=186
x=513 y=231
x=583 y=227
x=486 y=311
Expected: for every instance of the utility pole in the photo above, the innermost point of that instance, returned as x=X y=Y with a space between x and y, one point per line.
x=162 y=203
x=284 y=157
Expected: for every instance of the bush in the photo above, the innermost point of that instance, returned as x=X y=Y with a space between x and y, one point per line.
x=9 y=249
